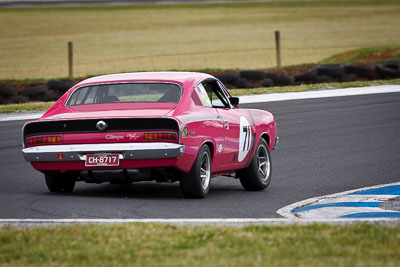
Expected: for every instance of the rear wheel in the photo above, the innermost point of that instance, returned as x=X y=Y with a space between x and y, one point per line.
x=196 y=183
x=258 y=175
x=60 y=183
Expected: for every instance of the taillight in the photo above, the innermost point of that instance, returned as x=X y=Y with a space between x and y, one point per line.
x=160 y=137
x=44 y=140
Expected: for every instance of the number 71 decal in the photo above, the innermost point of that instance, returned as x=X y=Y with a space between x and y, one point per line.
x=246 y=144
x=244 y=138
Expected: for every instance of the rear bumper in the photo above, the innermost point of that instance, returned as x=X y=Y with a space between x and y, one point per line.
x=127 y=151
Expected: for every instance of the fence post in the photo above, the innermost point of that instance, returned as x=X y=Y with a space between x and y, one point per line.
x=70 y=59
x=278 y=48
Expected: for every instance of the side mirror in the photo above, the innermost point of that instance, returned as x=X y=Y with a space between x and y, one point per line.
x=234 y=101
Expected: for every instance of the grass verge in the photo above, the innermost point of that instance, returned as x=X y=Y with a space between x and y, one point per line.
x=32 y=106
x=37 y=106
x=366 y=55
x=310 y=87
x=168 y=245
x=112 y=39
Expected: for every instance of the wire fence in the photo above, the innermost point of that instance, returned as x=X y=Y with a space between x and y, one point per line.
x=247 y=58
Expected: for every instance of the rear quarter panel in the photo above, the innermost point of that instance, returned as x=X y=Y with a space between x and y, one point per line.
x=265 y=126
x=204 y=126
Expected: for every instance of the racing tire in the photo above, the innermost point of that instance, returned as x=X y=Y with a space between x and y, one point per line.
x=229 y=77
x=60 y=85
x=196 y=183
x=361 y=71
x=307 y=77
x=257 y=176
x=19 y=99
x=267 y=83
x=253 y=74
x=49 y=96
x=5 y=101
x=35 y=90
x=332 y=70
x=60 y=183
x=241 y=83
x=280 y=79
x=7 y=91
x=348 y=78
x=388 y=69
x=322 y=79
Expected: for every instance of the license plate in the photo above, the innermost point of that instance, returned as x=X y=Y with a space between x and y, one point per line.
x=102 y=160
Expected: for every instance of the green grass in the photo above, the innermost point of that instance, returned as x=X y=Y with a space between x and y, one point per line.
x=167 y=245
x=37 y=106
x=365 y=55
x=111 y=39
x=32 y=106
x=310 y=87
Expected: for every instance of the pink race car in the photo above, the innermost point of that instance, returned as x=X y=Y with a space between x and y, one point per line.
x=163 y=126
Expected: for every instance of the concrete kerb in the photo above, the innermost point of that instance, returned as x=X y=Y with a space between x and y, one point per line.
x=326 y=208
x=194 y=222
x=354 y=91
x=21 y=116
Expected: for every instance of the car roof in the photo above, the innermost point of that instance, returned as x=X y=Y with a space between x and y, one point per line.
x=172 y=76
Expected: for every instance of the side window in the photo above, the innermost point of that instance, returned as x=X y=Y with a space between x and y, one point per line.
x=217 y=97
x=211 y=94
x=84 y=95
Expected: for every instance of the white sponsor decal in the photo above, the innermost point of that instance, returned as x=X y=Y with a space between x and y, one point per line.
x=114 y=137
x=132 y=136
x=201 y=92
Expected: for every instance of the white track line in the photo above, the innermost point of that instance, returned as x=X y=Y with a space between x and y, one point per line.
x=22 y=116
x=320 y=94
x=193 y=222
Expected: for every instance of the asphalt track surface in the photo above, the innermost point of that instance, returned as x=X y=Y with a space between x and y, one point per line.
x=327 y=145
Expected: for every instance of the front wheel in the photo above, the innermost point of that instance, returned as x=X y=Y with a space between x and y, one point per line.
x=60 y=183
x=196 y=183
x=258 y=175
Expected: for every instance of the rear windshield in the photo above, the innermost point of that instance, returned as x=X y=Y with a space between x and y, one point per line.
x=126 y=92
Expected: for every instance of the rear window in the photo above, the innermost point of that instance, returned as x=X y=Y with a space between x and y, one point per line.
x=126 y=92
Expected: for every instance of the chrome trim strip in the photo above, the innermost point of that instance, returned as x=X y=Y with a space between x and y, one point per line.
x=22 y=135
x=196 y=117
x=128 y=151
x=115 y=147
x=226 y=92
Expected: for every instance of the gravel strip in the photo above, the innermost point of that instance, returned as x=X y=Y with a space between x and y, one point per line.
x=392 y=204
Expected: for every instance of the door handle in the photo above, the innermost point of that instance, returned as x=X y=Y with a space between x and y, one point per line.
x=226 y=125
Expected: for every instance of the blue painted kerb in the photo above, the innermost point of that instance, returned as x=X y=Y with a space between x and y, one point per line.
x=386 y=190
x=338 y=204
x=373 y=215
